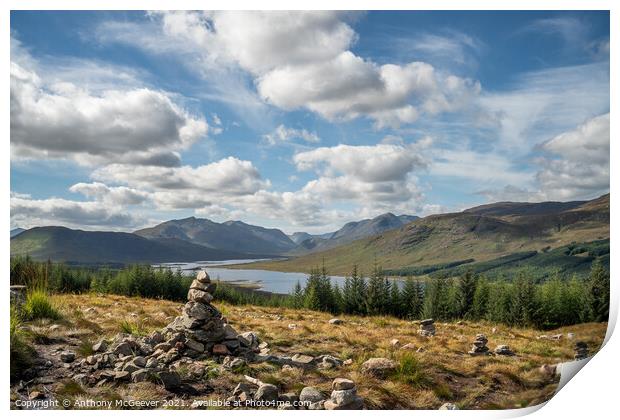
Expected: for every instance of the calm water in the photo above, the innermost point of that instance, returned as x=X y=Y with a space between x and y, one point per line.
x=270 y=281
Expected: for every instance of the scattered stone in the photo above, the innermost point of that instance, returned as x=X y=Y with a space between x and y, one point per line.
x=549 y=370
x=302 y=359
x=292 y=326
x=36 y=395
x=581 y=350
x=449 y=406
x=122 y=376
x=100 y=346
x=141 y=375
x=67 y=356
x=139 y=361
x=395 y=342
x=379 y=367
x=266 y=392
x=123 y=349
x=311 y=394
x=570 y=336
x=427 y=328
x=241 y=388
x=504 y=350
x=556 y=337
x=170 y=380
x=336 y=321
x=479 y=346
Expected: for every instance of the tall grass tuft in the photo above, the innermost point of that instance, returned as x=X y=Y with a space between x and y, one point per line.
x=21 y=352
x=410 y=371
x=38 y=305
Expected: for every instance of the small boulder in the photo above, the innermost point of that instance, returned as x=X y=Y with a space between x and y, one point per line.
x=311 y=394
x=379 y=367
x=449 y=406
x=141 y=375
x=100 y=346
x=170 y=380
x=266 y=392
x=336 y=321
x=67 y=356
x=220 y=350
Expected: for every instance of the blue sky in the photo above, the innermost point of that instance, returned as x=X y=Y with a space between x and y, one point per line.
x=302 y=121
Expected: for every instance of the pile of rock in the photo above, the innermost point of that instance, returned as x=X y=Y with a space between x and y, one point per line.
x=479 y=346
x=344 y=396
x=427 y=327
x=202 y=329
x=504 y=350
x=581 y=350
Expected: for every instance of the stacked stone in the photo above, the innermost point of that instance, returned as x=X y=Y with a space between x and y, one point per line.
x=427 y=327
x=581 y=350
x=479 y=346
x=204 y=330
x=344 y=396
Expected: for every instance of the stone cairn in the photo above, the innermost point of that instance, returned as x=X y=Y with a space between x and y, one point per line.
x=344 y=396
x=581 y=350
x=200 y=333
x=427 y=328
x=479 y=346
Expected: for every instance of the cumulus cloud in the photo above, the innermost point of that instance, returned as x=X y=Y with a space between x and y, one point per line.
x=109 y=195
x=26 y=212
x=283 y=134
x=379 y=175
x=575 y=166
x=303 y=60
x=63 y=120
x=579 y=166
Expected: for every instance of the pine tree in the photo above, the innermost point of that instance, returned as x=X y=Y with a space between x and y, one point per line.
x=481 y=299
x=298 y=296
x=599 y=293
x=396 y=306
x=524 y=305
x=376 y=292
x=467 y=290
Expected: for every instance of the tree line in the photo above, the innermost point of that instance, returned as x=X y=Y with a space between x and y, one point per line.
x=520 y=302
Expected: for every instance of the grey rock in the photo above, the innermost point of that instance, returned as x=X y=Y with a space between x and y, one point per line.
x=311 y=394
x=449 y=406
x=139 y=361
x=201 y=296
x=344 y=396
x=340 y=384
x=195 y=345
x=100 y=346
x=203 y=277
x=141 y=375
x=266 y=392
x=336 y=321
x=170 y=380
x=67 y=356
x=379 y=367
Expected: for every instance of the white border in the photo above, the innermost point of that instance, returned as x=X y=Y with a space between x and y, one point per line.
x=591 y=395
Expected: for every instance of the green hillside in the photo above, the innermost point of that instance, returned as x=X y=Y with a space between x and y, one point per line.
x=63 y=244
x=481 y=236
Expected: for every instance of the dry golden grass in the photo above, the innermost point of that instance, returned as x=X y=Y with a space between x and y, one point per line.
x=443 y=372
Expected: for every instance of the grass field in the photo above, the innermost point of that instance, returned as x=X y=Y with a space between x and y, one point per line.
x=443 y=372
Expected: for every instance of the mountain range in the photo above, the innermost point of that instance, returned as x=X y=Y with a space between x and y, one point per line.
x=189 y=239
x=478 y=234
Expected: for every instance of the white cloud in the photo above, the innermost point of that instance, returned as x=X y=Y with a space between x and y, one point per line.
x=109 y=195
x=378 y=177
x=63 y=120
x=303 y=60
x=27 y=213
x=581 y=166
x=284 y=134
